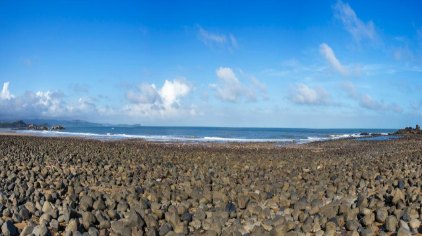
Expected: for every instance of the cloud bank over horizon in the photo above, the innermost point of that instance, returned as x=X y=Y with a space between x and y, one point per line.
x=345 y=65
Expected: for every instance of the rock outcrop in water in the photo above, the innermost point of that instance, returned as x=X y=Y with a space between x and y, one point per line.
x=37 y=127
x=21 y=125
x=57 y=127
x=74 y=187
x=410 y=130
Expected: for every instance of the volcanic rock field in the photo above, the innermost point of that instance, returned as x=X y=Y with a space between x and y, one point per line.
x=67 y=186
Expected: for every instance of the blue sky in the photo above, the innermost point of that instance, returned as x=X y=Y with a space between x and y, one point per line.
x=319 y=64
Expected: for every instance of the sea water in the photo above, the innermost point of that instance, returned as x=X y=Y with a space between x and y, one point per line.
x=210 y=134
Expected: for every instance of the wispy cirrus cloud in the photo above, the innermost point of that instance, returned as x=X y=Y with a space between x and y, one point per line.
x=212 y=39
x=353 y=24
x=330 y=56
x=294 y=68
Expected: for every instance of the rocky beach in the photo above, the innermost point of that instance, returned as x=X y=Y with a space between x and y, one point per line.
x=69 y=186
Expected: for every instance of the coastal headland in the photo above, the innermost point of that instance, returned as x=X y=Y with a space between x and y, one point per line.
x=70 y=186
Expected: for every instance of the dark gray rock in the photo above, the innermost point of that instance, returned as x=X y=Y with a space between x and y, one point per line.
x=8 y=229
x=103 y=222
x=352 y=225
x=381 y=215
x=230 y=207
x=151 y=232
x=85 y=203
x=186 y=217
x=88 y=219
x=24 y=213
x=367 y=232
x=99 y=205
x=92 y=231
x=134 y=220
x=164 y=229
x=122 y=206
x=16 y=218
x=112 y=214
x=120 y=228
x=329 y=211
x=401 y=184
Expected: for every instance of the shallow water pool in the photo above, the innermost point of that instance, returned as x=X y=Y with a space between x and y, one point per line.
x=379 y=138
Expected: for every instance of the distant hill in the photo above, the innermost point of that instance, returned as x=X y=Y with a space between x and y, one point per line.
x=65 y=123
x=47 y=122
x=13 y=124
x=52 y=122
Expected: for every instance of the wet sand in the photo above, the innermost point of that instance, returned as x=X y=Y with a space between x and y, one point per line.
x=71 y=186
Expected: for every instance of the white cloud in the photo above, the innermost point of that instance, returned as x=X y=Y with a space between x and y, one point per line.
x=145 y=101
x=368 y=102
x=49 y=102
x=306 y=95
x=145 y=94
x=355 y=26
x=45 y=104
x=330 y=56
x=84 y=104
x=5 y=93
x=230 y=89
x=226 y=74
x=214 y=39
x=172 y=91
x=149 y=101
x=35 y=104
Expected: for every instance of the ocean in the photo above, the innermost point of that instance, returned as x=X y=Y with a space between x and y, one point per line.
x=210 y=134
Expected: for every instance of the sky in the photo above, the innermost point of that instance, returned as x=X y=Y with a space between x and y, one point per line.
x=312 y=64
